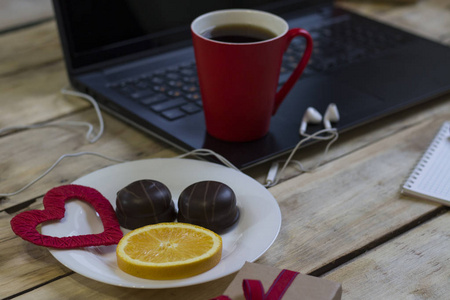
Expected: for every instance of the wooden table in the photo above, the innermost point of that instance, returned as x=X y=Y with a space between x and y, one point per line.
x=347 y=221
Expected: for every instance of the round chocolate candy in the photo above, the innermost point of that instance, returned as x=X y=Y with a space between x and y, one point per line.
x=209 y=204
x=144 y=202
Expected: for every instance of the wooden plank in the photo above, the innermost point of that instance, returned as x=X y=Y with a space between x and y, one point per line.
x=28 y=154
x=125 y=142
x=16 y=274
x=17 y=13
x=28 y=48
x=19 y=151
x=32 y=74
x=33 y=96
x=412 y=266
x=24 y=265
x=78 y=287
x=317 y=228
x=345 y=205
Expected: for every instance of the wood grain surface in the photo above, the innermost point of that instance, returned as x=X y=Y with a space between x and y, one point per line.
x=414 y=265
x=346 y=221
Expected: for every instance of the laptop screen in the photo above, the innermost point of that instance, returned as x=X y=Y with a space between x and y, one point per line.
x=97 y=31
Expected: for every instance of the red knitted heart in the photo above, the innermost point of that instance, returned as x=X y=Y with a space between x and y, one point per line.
x=25 y=223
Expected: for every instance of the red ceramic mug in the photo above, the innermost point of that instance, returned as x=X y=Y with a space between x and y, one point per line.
x=238 y=81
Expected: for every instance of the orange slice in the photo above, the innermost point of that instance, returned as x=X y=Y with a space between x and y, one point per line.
x=168 y=251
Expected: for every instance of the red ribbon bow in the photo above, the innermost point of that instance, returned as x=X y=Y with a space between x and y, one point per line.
x=254 y=290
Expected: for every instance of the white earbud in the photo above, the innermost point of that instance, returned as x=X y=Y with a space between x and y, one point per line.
x=331 y=115
x=328 y=133
x=311 y=115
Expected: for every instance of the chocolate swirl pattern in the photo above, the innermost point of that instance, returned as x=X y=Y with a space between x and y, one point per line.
x=209 y=204
x=144 y=202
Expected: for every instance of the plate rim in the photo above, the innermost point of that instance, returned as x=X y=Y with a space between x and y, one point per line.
x=182 y=282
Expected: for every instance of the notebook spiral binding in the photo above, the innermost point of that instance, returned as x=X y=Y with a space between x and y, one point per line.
x=440 y=136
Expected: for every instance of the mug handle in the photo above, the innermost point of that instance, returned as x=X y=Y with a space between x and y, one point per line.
x=284 y=90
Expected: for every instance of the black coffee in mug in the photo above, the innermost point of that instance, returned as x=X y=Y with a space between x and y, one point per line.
x=238 y=33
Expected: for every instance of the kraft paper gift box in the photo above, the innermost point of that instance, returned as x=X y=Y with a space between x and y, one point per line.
x=276 y=283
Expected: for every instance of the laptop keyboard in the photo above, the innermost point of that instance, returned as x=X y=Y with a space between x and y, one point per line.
x=339 y=45
x=174 y=93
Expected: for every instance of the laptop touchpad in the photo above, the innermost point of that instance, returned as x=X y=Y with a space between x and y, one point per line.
x=319 y=91
x=394 y=78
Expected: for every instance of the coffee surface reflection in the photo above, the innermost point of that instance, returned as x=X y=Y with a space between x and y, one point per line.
x=238 y=33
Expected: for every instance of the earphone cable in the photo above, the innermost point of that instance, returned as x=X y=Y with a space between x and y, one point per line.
x=89 y=134
x=94 y=103
x=54 y=165
x=273 y=177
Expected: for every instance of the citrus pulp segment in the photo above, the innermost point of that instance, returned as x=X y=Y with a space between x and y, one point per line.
x=168 y=251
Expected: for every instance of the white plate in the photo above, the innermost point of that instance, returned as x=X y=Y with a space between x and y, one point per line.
x=256 y=230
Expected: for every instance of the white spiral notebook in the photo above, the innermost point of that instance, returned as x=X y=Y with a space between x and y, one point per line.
x=430 y=179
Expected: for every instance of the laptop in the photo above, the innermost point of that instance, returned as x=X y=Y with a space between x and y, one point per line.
x=136 y=58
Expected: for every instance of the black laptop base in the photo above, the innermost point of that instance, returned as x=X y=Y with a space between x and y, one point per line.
x=369 y=80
